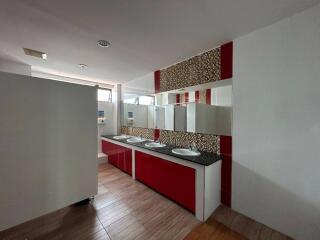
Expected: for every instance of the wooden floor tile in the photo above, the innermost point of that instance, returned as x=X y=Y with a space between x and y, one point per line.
x=127 y=209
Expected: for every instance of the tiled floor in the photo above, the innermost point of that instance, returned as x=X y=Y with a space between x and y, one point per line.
x=123 y=209
x=226 y=224
x=126 y=209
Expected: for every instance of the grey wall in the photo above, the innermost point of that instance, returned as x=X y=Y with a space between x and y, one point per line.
x=276 y=125
x=48 y=146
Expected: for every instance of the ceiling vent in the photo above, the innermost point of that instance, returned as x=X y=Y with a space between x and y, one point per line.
x=35 y=53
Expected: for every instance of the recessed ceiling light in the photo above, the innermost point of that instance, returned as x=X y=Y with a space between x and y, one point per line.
x=104 y=43
x=35 y=53
x=83 y=66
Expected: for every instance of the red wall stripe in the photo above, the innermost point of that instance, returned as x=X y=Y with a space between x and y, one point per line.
x=226 y=58
x=197 y=96
x=208 y=96
x=157 y=81
x=186 y=97
x=226 y=145
x=177 y=98
x=226 y=169
x=156 y=134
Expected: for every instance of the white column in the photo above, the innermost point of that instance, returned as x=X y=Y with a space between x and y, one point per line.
x=117 y=99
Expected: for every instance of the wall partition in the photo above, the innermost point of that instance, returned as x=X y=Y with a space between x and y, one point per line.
x=48 y=146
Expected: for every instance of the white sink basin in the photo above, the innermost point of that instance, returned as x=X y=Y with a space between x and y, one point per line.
x=185 y=152
x=154 y=145
x=136 y=140
x=121 y=137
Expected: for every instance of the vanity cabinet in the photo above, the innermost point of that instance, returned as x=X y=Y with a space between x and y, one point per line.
x=173 y=180
x=118 y=156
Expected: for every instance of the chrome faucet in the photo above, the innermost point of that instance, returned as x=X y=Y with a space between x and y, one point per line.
x=193 y=147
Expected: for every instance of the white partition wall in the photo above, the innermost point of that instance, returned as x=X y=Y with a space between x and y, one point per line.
x=276 y=125
x=48 y=146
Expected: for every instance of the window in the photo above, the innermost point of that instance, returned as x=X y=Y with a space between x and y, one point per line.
x=131 y=100
x=146 y=100
x=104 y=95
x=143 y=100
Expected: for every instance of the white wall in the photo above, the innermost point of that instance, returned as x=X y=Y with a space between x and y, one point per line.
x=221 y=96
x=109 y=127
x=192 y=96
x=151 y=118
x=14 y=67
x=143 y=85
x=165 y=98
x=48 y=146
x=169 y=117
x=276 y=125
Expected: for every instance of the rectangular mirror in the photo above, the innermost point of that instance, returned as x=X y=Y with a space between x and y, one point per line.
x=188 y=110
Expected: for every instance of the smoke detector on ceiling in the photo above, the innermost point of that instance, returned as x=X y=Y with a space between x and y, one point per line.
x=104 y=43
x=35 y=53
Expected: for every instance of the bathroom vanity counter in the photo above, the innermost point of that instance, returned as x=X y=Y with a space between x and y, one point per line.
x=205 y=158
x=192 y=182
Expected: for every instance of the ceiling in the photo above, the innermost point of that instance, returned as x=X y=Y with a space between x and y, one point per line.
x=145 y=35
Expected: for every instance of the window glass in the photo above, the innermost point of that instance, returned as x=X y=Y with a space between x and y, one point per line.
x=104 y=95
x=131 y=100
x=146 y=100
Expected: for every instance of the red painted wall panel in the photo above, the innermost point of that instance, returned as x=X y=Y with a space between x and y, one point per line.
x=173 y=180
x=226 y=58
x=186 y=97
x=226 y=145
x=226 y=169
x=156 y=134
x=197 y=96
x=157 y=81
x=178 y=98
x=208 y=96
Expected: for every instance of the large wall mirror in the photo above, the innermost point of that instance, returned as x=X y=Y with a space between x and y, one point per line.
x=204 y=108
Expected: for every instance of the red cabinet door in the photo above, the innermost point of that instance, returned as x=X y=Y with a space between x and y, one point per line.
x=125 y=159
x=111 y=151
x=121 y=158
x=173 y=180
x=128 y=161
x=105 y=146
x=118 y=156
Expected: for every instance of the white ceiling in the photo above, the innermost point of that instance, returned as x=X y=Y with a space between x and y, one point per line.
x=145 y=34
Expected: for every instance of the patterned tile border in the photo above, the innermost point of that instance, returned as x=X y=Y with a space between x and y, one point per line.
x=204 y=142
x=137 y=131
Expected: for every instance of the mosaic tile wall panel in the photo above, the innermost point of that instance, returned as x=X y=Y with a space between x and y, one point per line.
x=197 y=70
x=204 y=142
x=137 y=131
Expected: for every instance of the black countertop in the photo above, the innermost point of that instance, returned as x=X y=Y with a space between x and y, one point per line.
x=205 y=158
